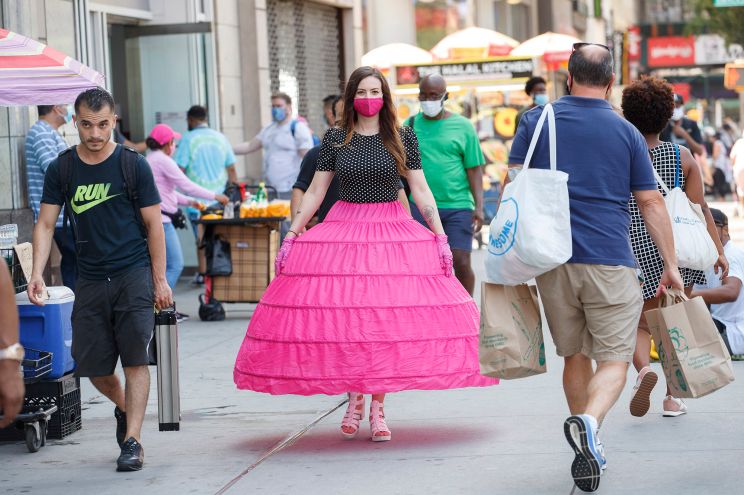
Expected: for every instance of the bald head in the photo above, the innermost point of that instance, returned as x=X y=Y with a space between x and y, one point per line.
x=433 y=84
x=591 y=65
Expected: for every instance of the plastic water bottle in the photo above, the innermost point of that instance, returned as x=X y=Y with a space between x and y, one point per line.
x=262 y=199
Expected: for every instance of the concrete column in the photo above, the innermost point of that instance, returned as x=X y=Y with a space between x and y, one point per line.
x=484 y=14
x=353 y=37
x=229 y=58
x=255 y=88
x=390 y=21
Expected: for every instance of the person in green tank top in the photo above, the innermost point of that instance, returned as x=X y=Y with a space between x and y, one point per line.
x=452 y=161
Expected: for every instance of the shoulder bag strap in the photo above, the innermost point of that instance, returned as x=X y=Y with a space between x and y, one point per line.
x=550 y=115
x=677 y=166
x=658 y=177
x=129 y=171
x=65 y=176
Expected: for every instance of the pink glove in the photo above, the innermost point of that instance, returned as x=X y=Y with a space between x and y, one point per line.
x=283 y=253
x=445 y=254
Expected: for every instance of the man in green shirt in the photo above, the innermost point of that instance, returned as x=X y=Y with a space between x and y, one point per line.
x=452 y=160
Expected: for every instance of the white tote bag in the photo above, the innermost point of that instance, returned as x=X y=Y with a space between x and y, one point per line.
x=694 y=247
x=531 y=233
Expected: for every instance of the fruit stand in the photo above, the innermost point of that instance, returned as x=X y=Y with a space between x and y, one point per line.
x=253 y=240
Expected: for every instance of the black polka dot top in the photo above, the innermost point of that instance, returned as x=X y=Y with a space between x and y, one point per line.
x=364 y=167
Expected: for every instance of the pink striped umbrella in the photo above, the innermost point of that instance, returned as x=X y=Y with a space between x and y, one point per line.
x=32 y=73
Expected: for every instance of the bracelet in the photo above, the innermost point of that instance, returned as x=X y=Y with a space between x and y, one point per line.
x=295 y=233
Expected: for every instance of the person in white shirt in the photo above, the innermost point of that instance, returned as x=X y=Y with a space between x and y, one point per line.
x=737 y=161
x=285 y=142
x=725 y=297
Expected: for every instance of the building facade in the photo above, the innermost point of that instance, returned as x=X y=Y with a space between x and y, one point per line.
x=162 y=56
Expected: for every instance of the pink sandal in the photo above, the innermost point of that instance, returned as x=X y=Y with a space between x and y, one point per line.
x=354 y=414
x=377 y=426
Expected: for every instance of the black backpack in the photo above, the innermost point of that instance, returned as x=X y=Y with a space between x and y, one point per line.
x=128 y=161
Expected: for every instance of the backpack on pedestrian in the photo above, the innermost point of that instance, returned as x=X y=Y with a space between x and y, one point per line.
x=293 y=127
x=128 y=162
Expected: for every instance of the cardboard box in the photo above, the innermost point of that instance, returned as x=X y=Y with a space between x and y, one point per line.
x=253 y=249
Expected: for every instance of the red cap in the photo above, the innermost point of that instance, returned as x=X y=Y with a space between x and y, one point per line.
x=163 y=134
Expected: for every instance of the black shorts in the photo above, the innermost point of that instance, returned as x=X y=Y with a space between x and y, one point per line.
x=111 y=318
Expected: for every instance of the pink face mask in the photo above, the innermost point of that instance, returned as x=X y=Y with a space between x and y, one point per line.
x=368 y=107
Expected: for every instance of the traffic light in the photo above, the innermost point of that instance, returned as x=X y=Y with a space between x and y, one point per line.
x=733 y=76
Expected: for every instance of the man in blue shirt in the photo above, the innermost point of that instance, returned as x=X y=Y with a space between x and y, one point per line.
x=43 y=144
x=207 y=158
x=593 y=303
x=205 y=154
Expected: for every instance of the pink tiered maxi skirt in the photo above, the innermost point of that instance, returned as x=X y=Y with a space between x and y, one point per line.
x=362 y=305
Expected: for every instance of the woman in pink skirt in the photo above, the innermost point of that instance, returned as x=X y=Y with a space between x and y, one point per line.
x=365 y=302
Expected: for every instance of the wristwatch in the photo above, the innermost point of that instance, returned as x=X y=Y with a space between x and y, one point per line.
x=14 y=351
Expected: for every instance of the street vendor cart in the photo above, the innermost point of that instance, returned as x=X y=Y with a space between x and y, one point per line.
x=253 y=245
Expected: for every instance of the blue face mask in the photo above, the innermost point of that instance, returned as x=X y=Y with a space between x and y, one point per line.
x=541 y=99
x=70 y=113
x=278 y=114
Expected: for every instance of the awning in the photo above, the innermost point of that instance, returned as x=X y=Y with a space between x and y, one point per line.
x=473 y=42
x=32 y=73
x=554 y=48
x=385 y=56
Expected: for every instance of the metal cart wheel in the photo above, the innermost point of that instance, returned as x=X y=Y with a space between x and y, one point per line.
x=34 y=437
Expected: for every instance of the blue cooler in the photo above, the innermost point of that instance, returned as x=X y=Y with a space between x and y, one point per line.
x=48 y=328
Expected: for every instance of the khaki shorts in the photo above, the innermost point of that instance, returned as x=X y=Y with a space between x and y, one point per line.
x=592 y=310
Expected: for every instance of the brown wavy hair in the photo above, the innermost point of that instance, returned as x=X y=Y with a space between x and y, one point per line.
x=389 y=129
x=648 y=104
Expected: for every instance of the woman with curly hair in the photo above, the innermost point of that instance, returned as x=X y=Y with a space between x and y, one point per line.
x=648 y=104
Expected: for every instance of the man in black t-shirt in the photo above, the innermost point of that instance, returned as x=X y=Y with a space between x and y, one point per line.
x=307 y=172
x=121 y=263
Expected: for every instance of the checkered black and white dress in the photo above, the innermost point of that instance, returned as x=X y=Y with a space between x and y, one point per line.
x=665 y=162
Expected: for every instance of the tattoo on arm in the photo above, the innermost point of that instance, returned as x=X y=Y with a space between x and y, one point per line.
x=428 y=213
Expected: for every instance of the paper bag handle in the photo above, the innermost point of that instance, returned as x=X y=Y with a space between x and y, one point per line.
x=672 y=297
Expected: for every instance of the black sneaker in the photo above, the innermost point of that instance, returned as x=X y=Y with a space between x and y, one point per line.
x=132 y=456
x=121 y=425
x=181 y=317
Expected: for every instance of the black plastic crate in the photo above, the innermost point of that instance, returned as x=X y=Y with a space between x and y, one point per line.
x=65 y=394
x=14 y=266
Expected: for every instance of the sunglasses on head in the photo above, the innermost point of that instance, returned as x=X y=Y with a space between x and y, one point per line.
x=579 y=46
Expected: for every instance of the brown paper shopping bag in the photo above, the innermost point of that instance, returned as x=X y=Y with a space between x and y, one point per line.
x=511 y=338
x=691 y=351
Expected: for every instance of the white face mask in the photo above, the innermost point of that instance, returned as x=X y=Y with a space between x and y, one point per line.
x=678 y=113
x=432 y=108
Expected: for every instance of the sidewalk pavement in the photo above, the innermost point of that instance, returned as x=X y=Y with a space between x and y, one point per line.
x=506 y=439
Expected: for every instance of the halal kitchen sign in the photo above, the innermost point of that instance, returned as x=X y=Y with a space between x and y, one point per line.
x=493 y=70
